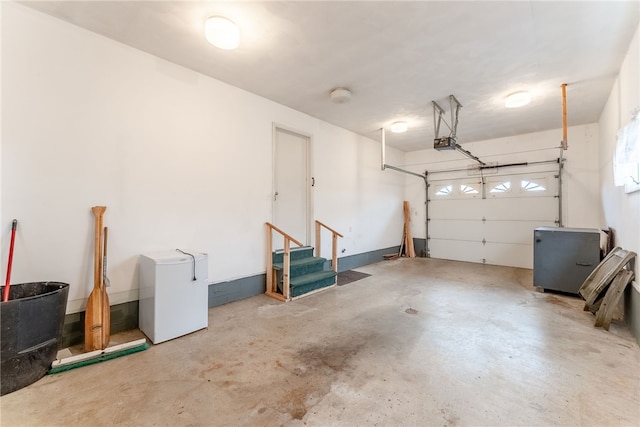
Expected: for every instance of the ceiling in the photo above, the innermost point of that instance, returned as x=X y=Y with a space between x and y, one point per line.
x=395 y=57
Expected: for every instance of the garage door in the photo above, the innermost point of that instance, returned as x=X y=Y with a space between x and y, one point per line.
x=490 y=218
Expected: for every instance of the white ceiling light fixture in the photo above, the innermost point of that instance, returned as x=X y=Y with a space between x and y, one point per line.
x=222 y=33
x=399 y=127
x=341 y=95
x=517 y=99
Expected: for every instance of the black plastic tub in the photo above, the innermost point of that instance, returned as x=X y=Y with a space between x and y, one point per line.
x=30 y=331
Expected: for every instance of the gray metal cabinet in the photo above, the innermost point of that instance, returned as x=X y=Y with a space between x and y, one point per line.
x=564 y=257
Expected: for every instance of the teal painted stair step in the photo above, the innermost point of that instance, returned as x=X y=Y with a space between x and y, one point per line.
x=306 y=272
x=310 y=282
x=294 y=254
x=303 y=266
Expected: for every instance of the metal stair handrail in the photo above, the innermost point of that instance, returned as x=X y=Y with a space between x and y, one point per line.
x=271 y=285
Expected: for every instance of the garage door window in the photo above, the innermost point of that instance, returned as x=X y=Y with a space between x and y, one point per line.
x=469 y=189
x=501 y=187
x=444 y=190
x=533 y=185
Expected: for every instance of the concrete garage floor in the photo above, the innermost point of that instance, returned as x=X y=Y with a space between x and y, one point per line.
x=420 y=342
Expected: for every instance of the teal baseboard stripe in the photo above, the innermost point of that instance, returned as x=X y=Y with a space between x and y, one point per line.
x=73 y=330
x=632 y=309
x=124 y=317
x=359 y=260
x=420 y=245
x=234 y=290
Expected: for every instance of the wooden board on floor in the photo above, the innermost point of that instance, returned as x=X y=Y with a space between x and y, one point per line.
x=603 y=274
x=612 y=297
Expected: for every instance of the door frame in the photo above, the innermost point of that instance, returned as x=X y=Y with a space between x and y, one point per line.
x=308 y=178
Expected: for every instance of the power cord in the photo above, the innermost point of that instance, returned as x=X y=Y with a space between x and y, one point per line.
x=194 y=262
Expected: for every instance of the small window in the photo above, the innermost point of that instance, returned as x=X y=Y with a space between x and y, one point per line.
x=444 y=190
x=501 y=187
x=531 y=186
x=467 y=189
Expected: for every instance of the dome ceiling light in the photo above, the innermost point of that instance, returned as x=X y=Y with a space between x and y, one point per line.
x=341 y=95
x=222 y=33
x=517 y=99
x=399 y=127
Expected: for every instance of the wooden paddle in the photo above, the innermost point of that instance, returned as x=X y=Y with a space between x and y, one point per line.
x=97 y=317
x=106 y=307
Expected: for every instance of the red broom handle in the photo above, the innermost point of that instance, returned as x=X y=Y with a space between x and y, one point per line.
x=7 y=284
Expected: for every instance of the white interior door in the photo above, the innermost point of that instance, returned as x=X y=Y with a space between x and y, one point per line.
x=291 y=185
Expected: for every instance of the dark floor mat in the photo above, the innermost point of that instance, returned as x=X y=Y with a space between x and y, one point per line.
x=350 y=276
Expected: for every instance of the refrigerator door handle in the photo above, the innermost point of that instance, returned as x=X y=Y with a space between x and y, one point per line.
x=583 y=264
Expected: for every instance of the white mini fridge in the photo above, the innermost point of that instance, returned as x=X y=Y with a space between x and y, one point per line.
x=174 y=298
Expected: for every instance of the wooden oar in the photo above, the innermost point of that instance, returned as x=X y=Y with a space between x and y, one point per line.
x=106 y=308
x=97 y=317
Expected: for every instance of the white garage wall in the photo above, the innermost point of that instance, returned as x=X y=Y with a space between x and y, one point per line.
x=351 y=182
x=179 y=159
x=622 y=211
x=580 y=176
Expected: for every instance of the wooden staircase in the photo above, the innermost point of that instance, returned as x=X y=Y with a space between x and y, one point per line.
x=296 y=272
x=307 y=272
